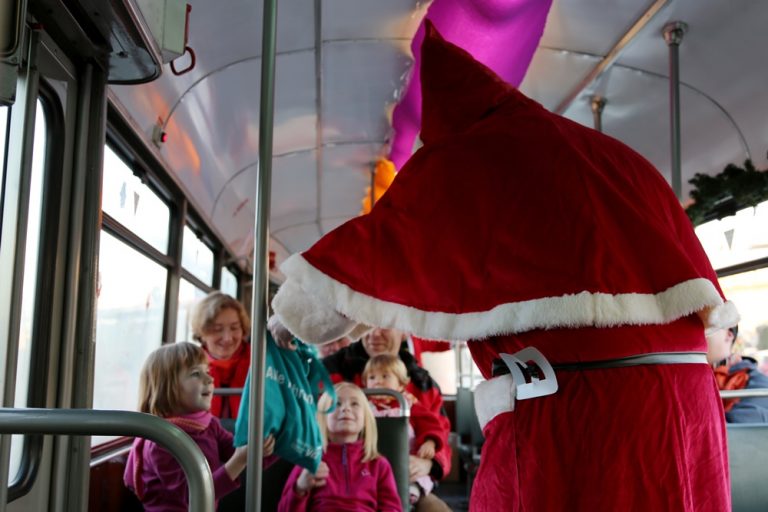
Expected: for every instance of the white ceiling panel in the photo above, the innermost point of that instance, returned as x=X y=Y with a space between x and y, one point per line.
x=360 y=80
x=369 y=19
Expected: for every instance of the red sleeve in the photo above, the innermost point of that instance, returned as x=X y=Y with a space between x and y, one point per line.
x=427 y=425
x=290 y=501
x=387 y=497
x=433 y=402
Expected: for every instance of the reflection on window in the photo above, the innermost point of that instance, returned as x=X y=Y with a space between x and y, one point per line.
x=736 y=239
x=197 y=257
x=189 y=294
x=30 y=280
x=749 y=291
x=133 y=204
x=3 y=132
x=129 y=323
x=228 y=282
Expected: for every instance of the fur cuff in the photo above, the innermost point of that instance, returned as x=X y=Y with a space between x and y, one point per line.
x=310 y=320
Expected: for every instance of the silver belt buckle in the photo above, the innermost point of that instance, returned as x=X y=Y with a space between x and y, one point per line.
x=536 y=387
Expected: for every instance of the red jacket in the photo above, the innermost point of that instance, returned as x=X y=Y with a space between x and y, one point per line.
x=425 y=424
x=347 y=365
x=352 y=485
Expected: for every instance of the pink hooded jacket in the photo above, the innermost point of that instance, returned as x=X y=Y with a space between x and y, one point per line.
x=352 y=485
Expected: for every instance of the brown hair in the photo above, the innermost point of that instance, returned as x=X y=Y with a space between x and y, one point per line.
x=387 y=362
x=369 y=434
x=160 y=376
x=206 y=311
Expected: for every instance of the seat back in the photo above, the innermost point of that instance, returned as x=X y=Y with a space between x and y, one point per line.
x=467 y=424
x=393 y=441
x=748 y=453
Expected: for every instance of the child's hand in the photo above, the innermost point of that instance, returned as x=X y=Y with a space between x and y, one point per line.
x=427 y=450
x=236 y=464
x=307 y=481
x=269 y=445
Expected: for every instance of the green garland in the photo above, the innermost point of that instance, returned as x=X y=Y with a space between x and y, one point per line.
x=724 y=194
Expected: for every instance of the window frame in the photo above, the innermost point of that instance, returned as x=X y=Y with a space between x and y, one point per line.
x=32 y=449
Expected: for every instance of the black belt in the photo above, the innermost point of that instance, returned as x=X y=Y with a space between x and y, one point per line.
x=531 y=370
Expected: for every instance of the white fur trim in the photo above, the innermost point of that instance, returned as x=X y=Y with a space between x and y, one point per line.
x=493 y=397
x=724 y=315
x=576 y=310
x=309 y=319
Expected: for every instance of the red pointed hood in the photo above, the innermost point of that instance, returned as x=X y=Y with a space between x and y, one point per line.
x=509 y=218
x=457 y=90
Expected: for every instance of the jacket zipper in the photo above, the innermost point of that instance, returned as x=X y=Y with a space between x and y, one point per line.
x=344 y=463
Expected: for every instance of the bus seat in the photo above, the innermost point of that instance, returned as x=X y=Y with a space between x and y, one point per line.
x=470 y=434
x=393 y=441
x=393 y=444
x=748 y=453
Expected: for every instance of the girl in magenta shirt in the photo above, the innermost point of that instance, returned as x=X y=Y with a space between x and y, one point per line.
x=352 y=476
x=176 y=386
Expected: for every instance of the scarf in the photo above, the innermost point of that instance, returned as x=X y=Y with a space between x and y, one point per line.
x=727 y=380
x=229 y=373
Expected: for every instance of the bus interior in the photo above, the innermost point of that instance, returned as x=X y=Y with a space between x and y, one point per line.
x=133 y=181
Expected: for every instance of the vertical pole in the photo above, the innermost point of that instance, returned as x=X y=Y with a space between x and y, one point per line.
x=597 y=103
x=673 y=35
x=260 y=291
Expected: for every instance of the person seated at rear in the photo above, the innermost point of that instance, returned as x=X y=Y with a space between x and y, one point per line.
x=348 y=364
x=733 y=371
x=425 y=430
x=220 y=324
x=328 y=349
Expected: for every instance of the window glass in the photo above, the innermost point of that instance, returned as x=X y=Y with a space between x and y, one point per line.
x=197 y=257
x=3 y=132
x=736 y=239
x=189 y=294
x=129 y=323
x=228 y=282
x=30 y=279
x=133 y=204
x=749 y=291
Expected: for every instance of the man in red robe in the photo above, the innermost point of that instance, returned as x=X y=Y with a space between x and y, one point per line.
x=518 y=229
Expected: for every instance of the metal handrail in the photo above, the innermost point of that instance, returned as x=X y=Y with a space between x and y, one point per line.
x=743 y=393
x=85 y=422
x=404 y=406
x=227 y=391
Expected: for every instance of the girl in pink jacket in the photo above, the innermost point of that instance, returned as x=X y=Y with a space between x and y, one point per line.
x=352 y=476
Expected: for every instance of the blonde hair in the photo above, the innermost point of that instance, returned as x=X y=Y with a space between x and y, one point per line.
x=159 y=392
x=205 y=312
x=387 y=362
x=369 y=434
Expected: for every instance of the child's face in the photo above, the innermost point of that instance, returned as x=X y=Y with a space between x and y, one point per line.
x=347 y=420
x=381 y=378
x=196 y=389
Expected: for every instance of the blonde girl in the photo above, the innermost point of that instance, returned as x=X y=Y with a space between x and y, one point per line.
x=175 y=385
x=425 y=432
x=352 y=474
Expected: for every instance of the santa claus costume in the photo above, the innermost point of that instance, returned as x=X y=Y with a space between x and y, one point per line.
x=515 y=228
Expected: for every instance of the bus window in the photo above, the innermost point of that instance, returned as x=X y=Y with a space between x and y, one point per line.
x=129 y=322
x=3 y=142
x=736 y=239
x=749 y=291
x=133 y=204
x=23 y=361
x=189 y=294
x=196 y=257
x=228 y=282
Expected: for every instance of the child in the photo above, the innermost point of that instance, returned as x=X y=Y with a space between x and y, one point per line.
x=175 y=385
x=425 y=432
x=352 y=476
